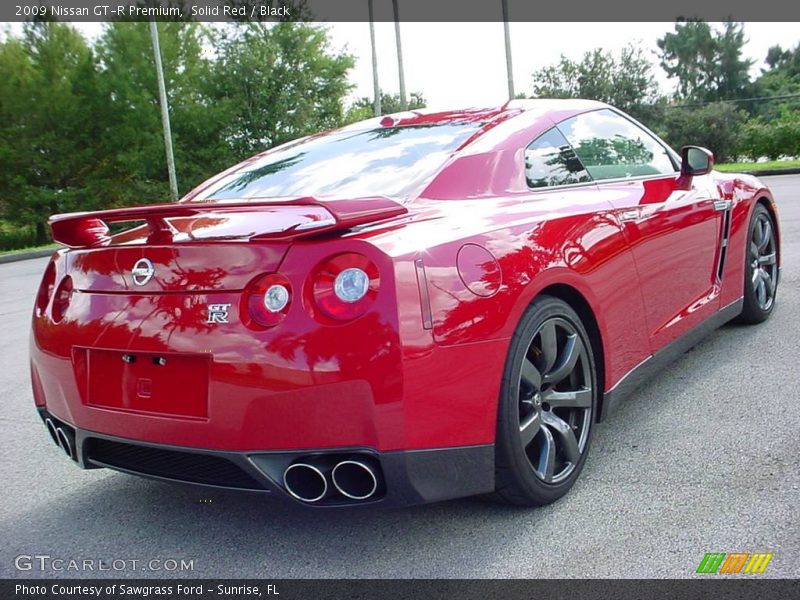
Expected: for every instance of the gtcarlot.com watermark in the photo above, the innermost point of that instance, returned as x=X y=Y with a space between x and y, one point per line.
x=44 y=563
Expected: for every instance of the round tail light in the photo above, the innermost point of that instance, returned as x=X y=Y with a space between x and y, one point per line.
x=345 y=285
x=62 y=298
x=267 y=299
x=46 y=288
x=351 y=285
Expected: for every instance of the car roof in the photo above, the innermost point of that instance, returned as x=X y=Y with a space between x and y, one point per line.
x=495 y=127
x=426 y=116
x=523 y=112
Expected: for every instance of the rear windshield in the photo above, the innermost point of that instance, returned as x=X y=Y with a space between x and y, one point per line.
x=390 y=161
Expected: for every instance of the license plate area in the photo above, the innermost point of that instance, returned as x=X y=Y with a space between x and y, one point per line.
x=169 y=384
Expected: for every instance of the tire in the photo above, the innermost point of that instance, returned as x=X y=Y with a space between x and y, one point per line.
x=761 y=268
x=548 y=395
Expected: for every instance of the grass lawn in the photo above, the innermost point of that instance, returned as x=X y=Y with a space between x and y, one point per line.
x=772 y=164
x=20 y=250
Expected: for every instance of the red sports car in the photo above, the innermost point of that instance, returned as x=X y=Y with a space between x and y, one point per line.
x=417 y=307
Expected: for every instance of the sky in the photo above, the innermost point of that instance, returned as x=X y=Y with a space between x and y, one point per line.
x=463 y=64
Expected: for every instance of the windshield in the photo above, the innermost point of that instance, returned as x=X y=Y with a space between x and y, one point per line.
x=390 y=161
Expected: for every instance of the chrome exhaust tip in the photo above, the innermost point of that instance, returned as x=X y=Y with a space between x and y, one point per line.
x=63 y=441
x=354 y=479
x=51 y=429
x=305 y=482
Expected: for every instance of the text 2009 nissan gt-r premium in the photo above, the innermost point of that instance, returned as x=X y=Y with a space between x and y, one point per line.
x=413 y=308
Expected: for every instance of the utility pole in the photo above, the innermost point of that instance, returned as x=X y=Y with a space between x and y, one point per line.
x=376 y=86
x=509 y=69
x=162 y=100
x=403 y=101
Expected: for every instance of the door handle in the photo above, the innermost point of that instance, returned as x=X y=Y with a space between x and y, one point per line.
x=722 y=205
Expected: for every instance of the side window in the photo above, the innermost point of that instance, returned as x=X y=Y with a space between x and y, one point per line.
x=612 y=147
x=549 y=161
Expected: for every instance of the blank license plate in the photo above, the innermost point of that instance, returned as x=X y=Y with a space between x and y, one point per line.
x=163 y=384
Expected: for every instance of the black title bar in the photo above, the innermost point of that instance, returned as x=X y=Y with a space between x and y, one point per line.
x=409 y=10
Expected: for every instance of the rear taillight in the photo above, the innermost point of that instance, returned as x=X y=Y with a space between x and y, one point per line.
x=267 y=299
x=345 y=285
x=62 y=298
x=46 y=289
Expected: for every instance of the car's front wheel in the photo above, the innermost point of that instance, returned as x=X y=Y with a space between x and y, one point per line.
x=547 y=405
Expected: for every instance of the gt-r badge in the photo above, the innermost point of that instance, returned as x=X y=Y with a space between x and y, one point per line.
x=142 y=271
x=218 y=313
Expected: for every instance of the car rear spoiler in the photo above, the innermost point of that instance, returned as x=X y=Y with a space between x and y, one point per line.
x=314 y=217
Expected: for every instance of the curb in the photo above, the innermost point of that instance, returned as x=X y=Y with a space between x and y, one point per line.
x=9 y=258
x=769 y=172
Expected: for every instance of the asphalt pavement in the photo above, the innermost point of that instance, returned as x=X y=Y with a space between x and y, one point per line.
x=703 y=458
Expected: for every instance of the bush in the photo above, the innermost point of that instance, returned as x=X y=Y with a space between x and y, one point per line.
x=774 y=138
x=714 y=126
x=13 y=237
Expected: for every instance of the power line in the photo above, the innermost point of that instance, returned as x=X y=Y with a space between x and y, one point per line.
x=768 y=98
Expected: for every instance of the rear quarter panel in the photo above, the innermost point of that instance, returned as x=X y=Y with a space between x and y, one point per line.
x=536 y=240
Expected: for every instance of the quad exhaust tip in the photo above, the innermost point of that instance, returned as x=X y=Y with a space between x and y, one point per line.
x=63 y=441
x=354 y=479
x=59 y=436
x=51 y=429
x=305 y=482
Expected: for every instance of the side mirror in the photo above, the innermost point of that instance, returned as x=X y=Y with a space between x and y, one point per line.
x=696 y=161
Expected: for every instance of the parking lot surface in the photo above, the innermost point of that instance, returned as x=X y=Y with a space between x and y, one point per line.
x=703 y=458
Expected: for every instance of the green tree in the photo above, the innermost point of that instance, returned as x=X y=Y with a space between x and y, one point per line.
x=47 y=149
x=715 y=126
x=625 y=81
x=774 y=138
x=80 y=128
x=782 y=78
x=363 y=108
x=277 y=83
x=707 y=63
x=134 y=167
x=778 y=58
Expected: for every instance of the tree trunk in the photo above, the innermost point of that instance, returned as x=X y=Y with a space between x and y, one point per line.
x=42 y=234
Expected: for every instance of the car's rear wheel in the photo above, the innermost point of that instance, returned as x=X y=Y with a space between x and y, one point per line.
x=761 y=267
x=547 y=405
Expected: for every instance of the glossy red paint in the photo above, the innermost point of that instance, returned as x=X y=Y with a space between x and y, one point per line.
x=641 y=253
x=480 y=272
x=252 y=221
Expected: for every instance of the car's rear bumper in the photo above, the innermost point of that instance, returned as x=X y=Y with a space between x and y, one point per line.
x=407 y=476
x=149 y=370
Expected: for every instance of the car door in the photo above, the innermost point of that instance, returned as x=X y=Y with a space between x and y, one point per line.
x=560 y=183
x=673 y=224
